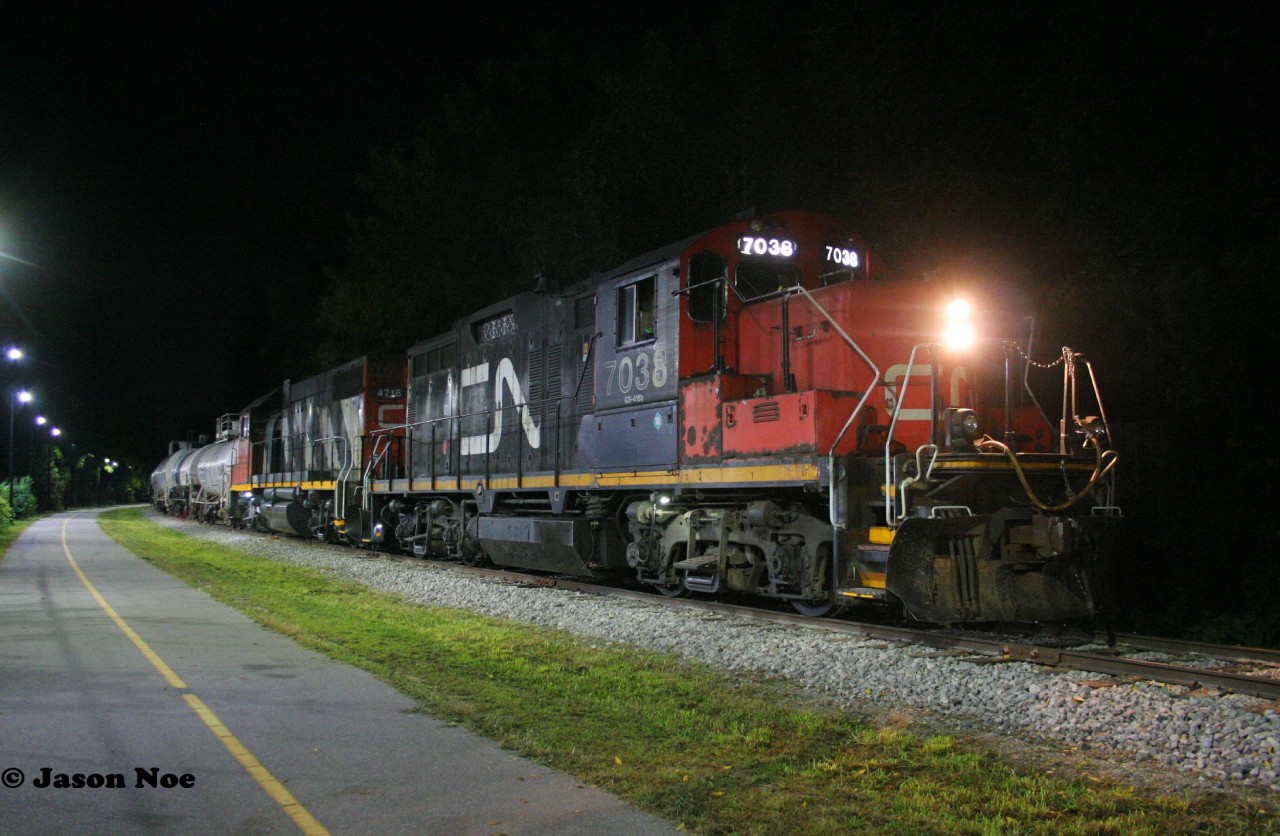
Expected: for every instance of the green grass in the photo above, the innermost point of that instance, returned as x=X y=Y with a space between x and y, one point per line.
x=711 y=753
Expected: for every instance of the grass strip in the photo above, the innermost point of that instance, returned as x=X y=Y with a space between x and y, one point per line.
x=711 y=753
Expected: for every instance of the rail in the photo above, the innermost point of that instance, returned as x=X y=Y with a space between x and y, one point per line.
x=988 y=649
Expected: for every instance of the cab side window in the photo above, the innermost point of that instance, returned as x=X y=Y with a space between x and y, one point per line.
x=636 y=312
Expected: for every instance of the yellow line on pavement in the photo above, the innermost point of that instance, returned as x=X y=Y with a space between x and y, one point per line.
x=290 y=805
x=151 y=656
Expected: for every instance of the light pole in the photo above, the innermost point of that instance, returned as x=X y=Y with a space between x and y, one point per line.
x=31 y=455
x=48 y=466
x=18 y=397
x=12 y=354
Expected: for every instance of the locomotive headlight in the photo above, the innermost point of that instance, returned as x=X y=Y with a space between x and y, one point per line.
x=959 y=331
x=963 y=427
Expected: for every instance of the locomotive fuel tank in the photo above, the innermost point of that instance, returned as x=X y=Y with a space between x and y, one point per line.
x=284 y=510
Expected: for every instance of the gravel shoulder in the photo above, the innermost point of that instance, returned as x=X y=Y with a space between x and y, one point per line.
x=1069 y=723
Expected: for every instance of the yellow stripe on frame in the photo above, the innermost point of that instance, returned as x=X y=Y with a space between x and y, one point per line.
x=712 y=475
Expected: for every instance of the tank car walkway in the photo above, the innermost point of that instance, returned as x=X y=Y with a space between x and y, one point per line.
x=130 y=702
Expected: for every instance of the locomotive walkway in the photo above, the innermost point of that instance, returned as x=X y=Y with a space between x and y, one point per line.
x=175 y=714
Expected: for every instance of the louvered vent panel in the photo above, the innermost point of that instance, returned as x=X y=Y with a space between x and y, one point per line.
x=588 y=386
x=763 y=413
x=537 y=375
x=553 y=373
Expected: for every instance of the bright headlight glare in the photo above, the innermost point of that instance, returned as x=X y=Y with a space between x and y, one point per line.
x=959 y=335
x=959 y=310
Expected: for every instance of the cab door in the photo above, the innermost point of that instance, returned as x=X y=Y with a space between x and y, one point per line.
x=635 y=381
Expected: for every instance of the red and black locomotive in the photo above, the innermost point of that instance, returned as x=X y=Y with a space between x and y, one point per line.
x=761 y=410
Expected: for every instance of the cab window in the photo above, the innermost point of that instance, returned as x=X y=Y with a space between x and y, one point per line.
x=636 y=312
x=760 y=277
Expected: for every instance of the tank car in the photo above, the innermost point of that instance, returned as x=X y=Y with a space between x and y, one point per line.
x=760 y=410
x=167 y=495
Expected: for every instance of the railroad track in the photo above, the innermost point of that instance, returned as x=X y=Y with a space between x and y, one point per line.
x=1220 y=668
x=1217 y=668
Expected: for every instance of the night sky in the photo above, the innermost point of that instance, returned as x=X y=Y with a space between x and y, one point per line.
x=157 y=173
x=161 y=177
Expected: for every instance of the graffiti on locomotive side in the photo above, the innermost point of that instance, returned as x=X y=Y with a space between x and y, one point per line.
x=504 y=380
x=634 y=373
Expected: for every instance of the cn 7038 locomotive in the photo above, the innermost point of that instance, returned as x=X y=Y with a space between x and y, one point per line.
x=760 y=410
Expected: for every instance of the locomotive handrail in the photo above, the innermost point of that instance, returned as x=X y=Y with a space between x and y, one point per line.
x=555 y=402
x=875 y=370
x=1072 y=357
x=833 y=492
x=340 y=495
x=891 y=496
x=375 y=456
x=1104 y=464
x=799 y=290
x=293 y=451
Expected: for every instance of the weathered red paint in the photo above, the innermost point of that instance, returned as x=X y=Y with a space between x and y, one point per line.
x=802 y=422
x=701 y=419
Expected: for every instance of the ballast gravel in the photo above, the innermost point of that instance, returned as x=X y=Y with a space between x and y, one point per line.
x=1224 y=741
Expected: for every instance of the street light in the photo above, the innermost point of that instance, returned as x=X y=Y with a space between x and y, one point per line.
x=13 y=354
x=18 y=397
x=48 y=467
x=31 y=456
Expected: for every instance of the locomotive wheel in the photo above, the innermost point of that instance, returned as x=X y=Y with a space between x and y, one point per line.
x=672 y=591
x=475 y=559
x=816 y=609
